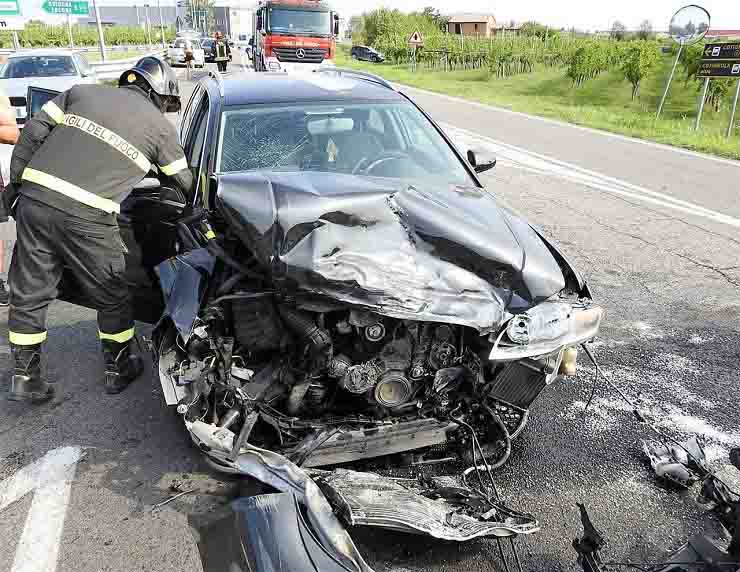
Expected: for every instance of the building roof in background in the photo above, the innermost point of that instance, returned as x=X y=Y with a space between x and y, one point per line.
x=712 y=33
x=470 y=17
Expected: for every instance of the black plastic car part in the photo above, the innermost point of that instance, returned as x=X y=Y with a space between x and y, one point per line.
x=265 y=533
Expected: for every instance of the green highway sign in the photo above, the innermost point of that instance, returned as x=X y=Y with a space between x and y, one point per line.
x=9 y=8
x=74 y=7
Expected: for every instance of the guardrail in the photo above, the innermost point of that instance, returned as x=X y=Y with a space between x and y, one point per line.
x=90 y=49
x=114 y=68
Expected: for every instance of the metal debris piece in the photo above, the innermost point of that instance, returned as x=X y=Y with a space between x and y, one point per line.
x=590 y=545
x=408 y=505
x=682 y=464
x=172 y=498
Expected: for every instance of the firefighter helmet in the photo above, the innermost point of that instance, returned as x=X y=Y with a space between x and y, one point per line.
x=154 y=75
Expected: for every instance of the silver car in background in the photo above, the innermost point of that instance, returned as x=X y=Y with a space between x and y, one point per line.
x=54 y=69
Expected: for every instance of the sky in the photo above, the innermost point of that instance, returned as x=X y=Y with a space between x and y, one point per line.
x=583 y=14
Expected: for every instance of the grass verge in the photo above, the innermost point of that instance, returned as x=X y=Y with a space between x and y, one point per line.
x=603 y=103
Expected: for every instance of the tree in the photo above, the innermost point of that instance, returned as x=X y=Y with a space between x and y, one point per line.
x=435 y=16
x=639 y=59
x=619 y=31
x=646 y=30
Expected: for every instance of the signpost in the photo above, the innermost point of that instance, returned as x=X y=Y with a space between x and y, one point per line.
x=68 y=7
x=415 y=41
x=723 y=61
x=688 y=26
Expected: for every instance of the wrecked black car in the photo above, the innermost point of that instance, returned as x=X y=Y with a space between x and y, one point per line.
x=344 y=288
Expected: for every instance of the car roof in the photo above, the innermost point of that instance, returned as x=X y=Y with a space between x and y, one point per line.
x=42 y=52
x=261 y=88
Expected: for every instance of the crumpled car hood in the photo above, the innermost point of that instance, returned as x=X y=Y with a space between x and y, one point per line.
x=431 y=253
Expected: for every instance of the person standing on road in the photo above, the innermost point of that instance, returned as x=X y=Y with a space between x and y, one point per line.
x=8 y=136
x=75 y=162
x=222 y=50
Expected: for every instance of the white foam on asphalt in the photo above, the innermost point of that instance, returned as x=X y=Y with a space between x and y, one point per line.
x=662 y=393
x=518 y=157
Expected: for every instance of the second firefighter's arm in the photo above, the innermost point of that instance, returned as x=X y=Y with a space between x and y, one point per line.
x=35 y=133
x=172 y=163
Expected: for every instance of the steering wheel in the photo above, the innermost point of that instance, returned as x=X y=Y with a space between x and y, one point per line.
x=383 y=157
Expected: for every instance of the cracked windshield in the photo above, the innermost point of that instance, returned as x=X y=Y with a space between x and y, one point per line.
x=393 y=286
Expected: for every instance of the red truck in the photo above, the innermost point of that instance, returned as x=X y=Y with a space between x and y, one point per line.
x=294 y=35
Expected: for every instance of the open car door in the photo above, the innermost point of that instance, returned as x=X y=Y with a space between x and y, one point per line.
x=148 y=229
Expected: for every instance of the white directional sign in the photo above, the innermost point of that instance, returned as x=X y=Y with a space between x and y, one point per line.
x=12 y=23
x=9 y=8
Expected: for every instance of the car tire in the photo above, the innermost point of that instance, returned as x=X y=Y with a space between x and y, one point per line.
x=354 y=57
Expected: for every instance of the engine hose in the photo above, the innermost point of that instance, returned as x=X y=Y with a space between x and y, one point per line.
x=229 y=284
x=186 y=236
x=219 y=252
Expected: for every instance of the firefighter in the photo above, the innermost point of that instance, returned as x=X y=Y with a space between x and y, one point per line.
x=222 y=51
x=8 y=136
x=75 y=162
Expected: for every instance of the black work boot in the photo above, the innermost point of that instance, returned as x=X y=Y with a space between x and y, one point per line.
x=121 y=366
x=27 y=383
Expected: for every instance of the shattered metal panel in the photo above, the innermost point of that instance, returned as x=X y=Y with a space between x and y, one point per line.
x=442 y=254
x=369 y=499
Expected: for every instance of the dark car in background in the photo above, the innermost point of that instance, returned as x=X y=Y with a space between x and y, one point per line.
x=366 y=54
x=209 y=49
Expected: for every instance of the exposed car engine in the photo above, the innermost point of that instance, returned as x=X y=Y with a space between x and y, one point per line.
x=330 y=387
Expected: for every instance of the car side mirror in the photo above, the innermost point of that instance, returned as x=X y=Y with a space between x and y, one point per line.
x=336 y=24
x=480 y=166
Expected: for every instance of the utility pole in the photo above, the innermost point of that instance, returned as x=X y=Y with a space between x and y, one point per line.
x=101 y=37
x=161 y=23
x=69 y=31
x=148 y=26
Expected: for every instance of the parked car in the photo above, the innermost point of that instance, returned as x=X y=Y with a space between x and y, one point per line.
x=366 y=54
x=176 y=52
x=49 y=69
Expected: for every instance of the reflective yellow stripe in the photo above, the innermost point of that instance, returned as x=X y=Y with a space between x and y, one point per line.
x=107 y=136
x=120 y=337
x=210 y=235
x=26 y=339
x=52 y=110
x=175 y=167
x=72 y=191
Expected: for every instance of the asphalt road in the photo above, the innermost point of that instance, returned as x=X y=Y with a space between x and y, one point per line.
x=655 y=232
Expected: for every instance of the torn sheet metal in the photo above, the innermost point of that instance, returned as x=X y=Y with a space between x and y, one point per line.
x=276 y=471
x=182 y=279
x=447 y=254
x=448 y=513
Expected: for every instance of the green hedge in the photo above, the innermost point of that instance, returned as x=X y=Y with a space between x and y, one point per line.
x=38 y=35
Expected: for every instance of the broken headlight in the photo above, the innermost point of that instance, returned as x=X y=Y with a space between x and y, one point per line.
x=546 y=322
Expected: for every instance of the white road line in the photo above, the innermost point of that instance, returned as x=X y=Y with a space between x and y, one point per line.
x=50 y=479
x=521 y=158
x=468 y=103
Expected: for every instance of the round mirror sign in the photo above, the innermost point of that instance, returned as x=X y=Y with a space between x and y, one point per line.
x=689 y=25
